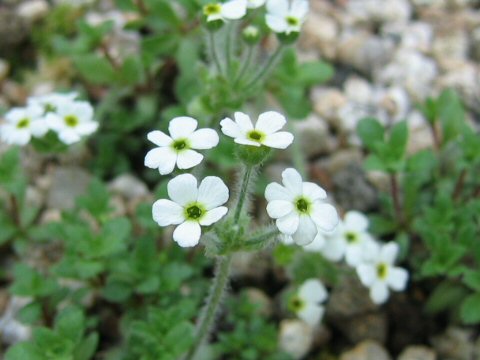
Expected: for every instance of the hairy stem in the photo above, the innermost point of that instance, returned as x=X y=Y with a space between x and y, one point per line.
x=245 y=65
x=214 y=54
x=243 y=193
x=266 y=69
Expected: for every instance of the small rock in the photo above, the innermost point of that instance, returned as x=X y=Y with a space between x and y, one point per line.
x=253 y=265
x=340 y=159
x=14 y=92
x=128 y=186
x=259 y=298
x=327 y=102
x=370 y=326
x=417 y=352
x=13 y=29
x=455 y=344
x=67 y=184
x=51 y=215
x=11 y=330
x=367 y=350
x=33 y=10
x=34 y=197
x=296 y=338
x=314 y=136
x=320 y=32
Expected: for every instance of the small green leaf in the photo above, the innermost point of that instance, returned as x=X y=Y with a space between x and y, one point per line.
x=371 y=132
x=470 y=309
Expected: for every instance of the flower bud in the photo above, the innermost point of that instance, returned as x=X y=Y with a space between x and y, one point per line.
x=251 y=35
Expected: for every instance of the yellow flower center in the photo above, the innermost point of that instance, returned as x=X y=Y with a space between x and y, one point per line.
x=71 y=120
x=24 y=123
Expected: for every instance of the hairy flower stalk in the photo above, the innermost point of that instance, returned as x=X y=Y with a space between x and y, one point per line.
x=262 y=73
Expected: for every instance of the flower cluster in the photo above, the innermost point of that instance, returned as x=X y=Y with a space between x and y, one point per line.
x=68 y=118
x=306 y=303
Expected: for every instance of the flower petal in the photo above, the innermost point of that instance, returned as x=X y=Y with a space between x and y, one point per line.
x=234 y=9
x=187 y=159
x=313 y=191
x=379 y=292
x=313 y=291
x=244 y=122
x=187 y=234
x=292 y=181
x=278 y=7
x=354 y=255
x=317 y=244
x=306 y=232
x=299 y=9
x=245 y=141
x=334 y=249
x=203 y=139
x=270 y=122
x=389 y=252
x=275 y=191
x=231 y=128
x=279 y=208
x=163 y=159
x=68 y=136
x=325 y=216
x=355 y=221
x=367 y=274
x=212 y=192
x=288 y=224
x=182 y=127
x=279 y=140
x=86 y=128
x=212 y=216
x=166 y=212
x=397 y=278
x=183 y=189
x=277 y=23
x=159 y=138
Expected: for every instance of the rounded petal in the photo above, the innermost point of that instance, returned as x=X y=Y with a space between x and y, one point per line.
x=279 y=140
x=87 y=128
x=188 y=159
x=276 y=23
x=270 y=122
x=367 y=274
x=312 y=314
x=166 y=212
x=292 y=181
x=286 y=239
x=212 y=216
x=68 y=136
x=334 y=249
x=313 y=191
x=183 y=189
x=389 y=252
x=275 y=191
x=231 y=128
x=313 y=291
x=187 y=234
x=288 y=224
x=245 y=141
x=354 y=255
x=278 y=7
x=163 y=159
x=253 y=4
x=159 y=138
x=355 y=221
x=203 y=139
x=244 y=122
x=212 y=192
x=299 y=9
x=279 y=208
x=317 y=244
x=234 y=9
x=325 y=216
x=306 y=232
x=182 y=127
x=397 y=278
x=39 y=128
x=379 y=292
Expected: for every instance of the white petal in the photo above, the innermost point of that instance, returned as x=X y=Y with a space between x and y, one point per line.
x=317 y=244
x=278 y=7
x=187 y=234
x=279 y=140
x=397 y=278
x=389 y=252
x=270 y=122
x=379 y=292
x=311 y=314
x=212 y=192
x=286 y=239
x=38 y=128
x=313 y=291
x=355 y=221
x=334 y=249
x=234 y=9
x=288 y=224
x=325 y=216
x=279 y=208
x=253 y=4
x=367 y=274
x=86 y=128
x=187 y=159
x=306 y=232
x=166 y=212
x=299 y=9
x=231 y=128
x=161 y=158
x=68 y=136
x=182 y=127
x=159 y=138
x=275 y=191
x=276 y=23
x=292 y=181
x=203 y=139
x=243 y=121
x=212 y=216
x=244 y=141
x=313 y=192
x=354 y=255
x=183 y=189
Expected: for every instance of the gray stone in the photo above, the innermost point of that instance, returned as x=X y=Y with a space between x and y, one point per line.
x=67 y=184
x=296 y=338
x=13 y=29
x=128 y=186
x=313 y=135
x=417 y=352
x=367 y=350
x=455 y=344
x=370 y=326
x=261 y=300
x=33 y=10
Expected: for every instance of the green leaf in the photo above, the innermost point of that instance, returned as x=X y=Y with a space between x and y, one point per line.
x=23 y=351
x=95 y=69
x=85 y=350
x=70 y=323
x=29 y=282
x=132 y=71
x=371 y=132
x=315 y=73
x=398 y=138
x=11 y=175
x=452 y=115
x=470 y=309
x=446 y=296
x=96 y=201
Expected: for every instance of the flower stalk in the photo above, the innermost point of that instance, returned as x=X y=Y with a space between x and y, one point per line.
x=266 y=69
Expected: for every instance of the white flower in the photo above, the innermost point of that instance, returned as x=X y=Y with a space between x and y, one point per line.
x=327 y=245
x=176 y=149
x=254 y=4
x=264 y=133
x=191 y=206
x=231 y=10
x=381 y=274
x=283 y=17
x=50 y=102
x=307 y=302
x=21 y=124
x=72 y=121
x=299 y=208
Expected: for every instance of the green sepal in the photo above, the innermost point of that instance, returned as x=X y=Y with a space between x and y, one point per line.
x=252 y=155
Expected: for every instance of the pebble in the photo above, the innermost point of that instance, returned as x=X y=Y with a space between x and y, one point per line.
x=296 y=338
x=129 y=187
x=366 y=350
x=417 y=352
x=33 y=10
x=67 y=184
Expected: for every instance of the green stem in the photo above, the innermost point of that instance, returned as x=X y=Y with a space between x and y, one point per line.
x=216 y=294
x=245 y=65
x=213 y=49
x=266 y=69
x=228 y=47
x=243 y=193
